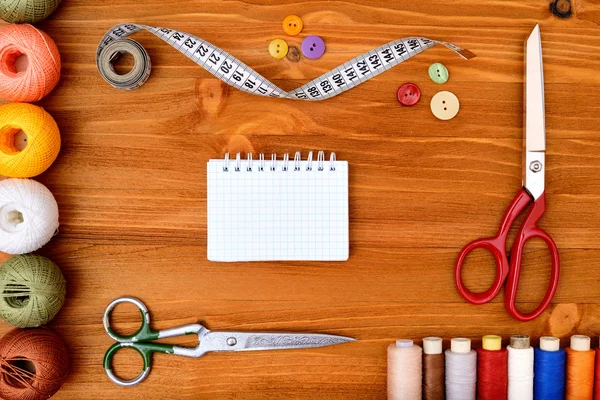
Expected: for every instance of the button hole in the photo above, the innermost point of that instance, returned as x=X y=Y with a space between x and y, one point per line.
x=444 y=102
x=445 y=108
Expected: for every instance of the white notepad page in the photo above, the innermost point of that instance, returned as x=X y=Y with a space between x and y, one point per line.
x=286 y=210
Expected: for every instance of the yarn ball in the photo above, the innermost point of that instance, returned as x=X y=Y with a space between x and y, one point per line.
x=27 y=11
x=29 y=140
x=32 y=290
x=28 y=216
x=29 y=63
x=34 y=364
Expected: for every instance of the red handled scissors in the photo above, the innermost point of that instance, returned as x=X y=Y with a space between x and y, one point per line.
x=532 y=194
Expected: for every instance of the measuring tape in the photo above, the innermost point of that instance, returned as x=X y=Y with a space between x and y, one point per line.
x=237 y=74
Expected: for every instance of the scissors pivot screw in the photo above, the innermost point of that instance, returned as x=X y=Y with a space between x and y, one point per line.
x=535 y=166
x=231 y=341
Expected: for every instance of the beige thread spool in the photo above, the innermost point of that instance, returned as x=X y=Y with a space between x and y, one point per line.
x=404 y=371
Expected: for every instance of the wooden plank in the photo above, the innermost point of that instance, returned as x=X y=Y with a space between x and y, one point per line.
x=131 y=186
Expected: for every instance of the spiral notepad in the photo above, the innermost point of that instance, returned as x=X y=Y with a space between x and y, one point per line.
x=278 y=209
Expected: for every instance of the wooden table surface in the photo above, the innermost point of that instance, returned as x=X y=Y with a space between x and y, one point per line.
x=130 y=182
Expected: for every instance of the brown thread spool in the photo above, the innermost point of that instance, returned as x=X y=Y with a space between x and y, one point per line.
x=433 y=369
x=33 y=364
x=580 y=369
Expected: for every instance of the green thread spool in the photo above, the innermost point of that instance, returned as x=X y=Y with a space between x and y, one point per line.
x=32 y=290
x=26 y=11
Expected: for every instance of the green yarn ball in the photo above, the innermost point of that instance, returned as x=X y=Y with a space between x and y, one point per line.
x=32 y=290
x=26 y=11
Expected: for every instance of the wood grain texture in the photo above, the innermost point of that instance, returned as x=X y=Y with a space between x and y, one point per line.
x=131 y=185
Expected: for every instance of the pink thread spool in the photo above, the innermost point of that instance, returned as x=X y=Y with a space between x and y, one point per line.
x=29 y=63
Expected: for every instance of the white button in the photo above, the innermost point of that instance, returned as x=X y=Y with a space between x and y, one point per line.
x=445 y=105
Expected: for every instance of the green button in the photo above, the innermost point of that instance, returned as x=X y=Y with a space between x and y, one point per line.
x=438 y=73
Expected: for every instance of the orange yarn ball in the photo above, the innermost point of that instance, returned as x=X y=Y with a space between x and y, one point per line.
x=29 y=63
x=34 y=364
x=29 y=140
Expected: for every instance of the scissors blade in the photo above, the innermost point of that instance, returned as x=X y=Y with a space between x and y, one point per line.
x=535 y=122
x=244 y=341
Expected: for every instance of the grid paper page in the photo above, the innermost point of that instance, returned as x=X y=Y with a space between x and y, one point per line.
x=277 y=215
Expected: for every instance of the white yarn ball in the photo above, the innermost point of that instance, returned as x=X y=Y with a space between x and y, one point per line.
x=28 y=216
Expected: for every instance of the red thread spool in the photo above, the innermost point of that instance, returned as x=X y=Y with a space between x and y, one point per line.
x=33 y=364
x=492 y=369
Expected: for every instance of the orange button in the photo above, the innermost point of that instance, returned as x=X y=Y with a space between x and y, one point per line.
x=292 y=25
x=278 y=48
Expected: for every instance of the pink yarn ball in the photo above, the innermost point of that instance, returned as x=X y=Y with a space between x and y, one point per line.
x=29 y=63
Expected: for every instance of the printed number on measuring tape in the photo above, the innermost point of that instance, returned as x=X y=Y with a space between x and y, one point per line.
x=237 y=74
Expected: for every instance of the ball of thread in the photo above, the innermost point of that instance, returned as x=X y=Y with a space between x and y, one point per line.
x=580 y=374
x=492 y=370
x=549 y=375
x=33 y=364
x=27 y=11
x=41 y=143
x=404 y=372
x=32 y=289
x=28 y=216
x=29 y=63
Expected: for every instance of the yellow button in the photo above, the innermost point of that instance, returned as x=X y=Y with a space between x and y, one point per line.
x=278 y=48
x=292 y=25
x=445 y=105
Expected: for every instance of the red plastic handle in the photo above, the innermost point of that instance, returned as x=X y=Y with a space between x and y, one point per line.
x=529 y=230
x=497 y=246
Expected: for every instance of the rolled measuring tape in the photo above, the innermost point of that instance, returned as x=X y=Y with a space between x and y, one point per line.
x=237 y=74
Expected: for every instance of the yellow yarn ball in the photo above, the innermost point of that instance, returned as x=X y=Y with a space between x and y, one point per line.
x=26 y=156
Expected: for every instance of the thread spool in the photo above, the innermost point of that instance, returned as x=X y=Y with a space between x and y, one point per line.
x=27 y=11
x=549 y=370
x=32 y=289
x=28 y=216
x=29 y=63
x=520 y=368
x=597 y=376
x=580 y=369
x=461 y=370
x=433 y=369
x=492 y=369
x=29 y=140
x=33 y=364
x=404 y=371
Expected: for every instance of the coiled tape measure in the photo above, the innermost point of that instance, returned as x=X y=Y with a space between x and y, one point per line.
x=237 y=74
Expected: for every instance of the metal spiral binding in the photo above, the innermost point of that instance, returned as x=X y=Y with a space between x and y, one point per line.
x=286 y=161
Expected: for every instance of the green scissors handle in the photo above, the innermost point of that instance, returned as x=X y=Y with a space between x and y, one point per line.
x=140 y=341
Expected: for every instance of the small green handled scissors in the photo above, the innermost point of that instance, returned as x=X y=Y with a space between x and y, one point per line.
x=207 y=341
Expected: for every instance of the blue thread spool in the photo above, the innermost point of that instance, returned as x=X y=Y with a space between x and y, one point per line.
x=549 y=370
